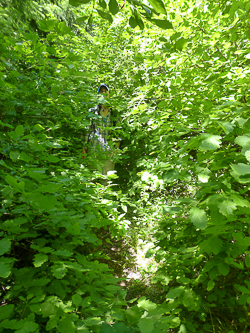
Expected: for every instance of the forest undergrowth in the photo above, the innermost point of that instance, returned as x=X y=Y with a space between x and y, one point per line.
x=164 y=245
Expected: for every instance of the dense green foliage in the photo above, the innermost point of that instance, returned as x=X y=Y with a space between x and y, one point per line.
x=179 y=78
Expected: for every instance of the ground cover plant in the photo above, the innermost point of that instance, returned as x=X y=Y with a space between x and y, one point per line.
x=178 y=72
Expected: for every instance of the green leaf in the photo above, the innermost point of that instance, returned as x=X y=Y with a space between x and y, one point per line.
x=4 y=270
x=132 y=22
x=139 y=22
x=81 y=19
x=28 y=327
x=5 y=245
x=59 y=271
x=40 y=258
x=48 y=309
x=210 y=285
x=105 y=15
x=47 y=25
x=183 y=329
x=223 y=268
x=198 y=217
x=242 y=140
x=247 y=154
x=146 y=325
x=227 y=207
x=38 y=127
x=19 y=130
x=77 y=300
x=239 y=200
x=181 y=43
x=247 y=260
x=6 y=311
x=226 y=126
x=78 y=2
x=63 y=253
x=113 y=7
x=158 y=6
x=211 y=142
x=175 y=292
x=52 y=159
x=146 y=304
x=14 y=155
x=133 y=314
x=170 y=176
x=164 y=24
x=211 y=245
x=241 y=169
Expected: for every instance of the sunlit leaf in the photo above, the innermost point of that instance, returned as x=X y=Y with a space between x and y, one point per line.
x=198 y=217
x=164 y=24
x=158 y=6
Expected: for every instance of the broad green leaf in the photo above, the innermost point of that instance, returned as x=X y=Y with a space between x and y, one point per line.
x=139 y=22
x=81 y=19
x=227 y=207
x=44 y=202
x=211 y=142
x=241 y=169
x=12 y=181
x=146 y=304
x=243 y=140
x=188 y=298
x=25 y=157
x=19 y=130
x=226 y=126
x=103 y=4
x=78 y=2
x=28 y=327
x=14 y=155
x=170 y=176
x=47 y=25
x=240 y=201
x=40 y=258
x=48 y=309
x=39 y=127
x=52 y=159
x=203 y=174
x=5 y=245
x=198 y=218
x=4 y=270
x=247 y=260
x=158 y=6
x=6 y=311
x=183 y=329
x=77 y=300
x=113 y=7
x=133 y=314
x=175 y=292
x=146 y=325
x=181 y=43
x=210 y=285
x=92 y=321
x=164 y=24
x=105 y=15
x=247 y=154
x=59 y=271
x=62 y=29
x=223 y=268
x=37 y=174
x=211 y=245
x=49 y=188
x=63 y=253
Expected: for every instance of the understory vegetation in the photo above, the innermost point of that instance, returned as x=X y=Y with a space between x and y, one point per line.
x=162 y=245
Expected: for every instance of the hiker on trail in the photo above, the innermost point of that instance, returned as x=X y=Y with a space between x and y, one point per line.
x=99 y=138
